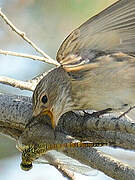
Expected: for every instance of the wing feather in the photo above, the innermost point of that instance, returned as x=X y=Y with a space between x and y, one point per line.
x=112 y=30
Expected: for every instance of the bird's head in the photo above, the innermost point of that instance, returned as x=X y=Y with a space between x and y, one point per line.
x=52 y=95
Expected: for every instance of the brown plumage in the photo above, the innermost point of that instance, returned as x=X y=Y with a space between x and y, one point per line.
x=97 y=66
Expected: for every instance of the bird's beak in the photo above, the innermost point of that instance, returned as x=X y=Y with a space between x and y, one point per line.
x=46 y=112
x=50 y=114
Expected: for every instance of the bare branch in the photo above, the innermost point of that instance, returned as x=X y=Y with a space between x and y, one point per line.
x=23 y=85
x=116 y=124
x=33 y=57
x=22 y=35
x=17 y=83
x=65 y=172
x=59 y=165
x=105 y=123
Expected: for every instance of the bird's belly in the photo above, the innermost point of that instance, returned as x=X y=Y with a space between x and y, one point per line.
x=111 y=85
x=99 y=95
x=117 y=100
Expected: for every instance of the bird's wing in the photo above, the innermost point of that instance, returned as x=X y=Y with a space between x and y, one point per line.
x=112 y=30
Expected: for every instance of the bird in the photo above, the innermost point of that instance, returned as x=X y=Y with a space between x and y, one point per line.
x=97 y=67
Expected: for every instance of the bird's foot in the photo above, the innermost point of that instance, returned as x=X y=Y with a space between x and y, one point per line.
x=126 y=112
x=98 y=113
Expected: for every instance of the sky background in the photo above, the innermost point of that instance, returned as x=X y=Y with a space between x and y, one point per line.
x=47 y=23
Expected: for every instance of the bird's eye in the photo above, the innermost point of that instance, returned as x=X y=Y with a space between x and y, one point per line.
x=44 y=99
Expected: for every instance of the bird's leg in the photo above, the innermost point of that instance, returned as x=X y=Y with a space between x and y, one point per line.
x=98 y=113
x=126 y=112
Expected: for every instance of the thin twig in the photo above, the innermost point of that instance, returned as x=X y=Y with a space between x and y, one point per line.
x=18 y=84
x=23 y=85
x=58 y=164
x=66 y=172
x=33 y=57
x=22 y=35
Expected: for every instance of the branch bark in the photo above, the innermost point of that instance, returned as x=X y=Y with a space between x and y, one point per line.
x=16 y=112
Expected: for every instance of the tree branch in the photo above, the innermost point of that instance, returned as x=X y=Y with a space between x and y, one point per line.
x=18 y=84
x=23 y=85
x=16 y=112
x=111 y=123
x=33 y=57
x=59 y=165
x=23 y=36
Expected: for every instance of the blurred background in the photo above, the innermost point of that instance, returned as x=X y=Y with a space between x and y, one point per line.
x=47 y=23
